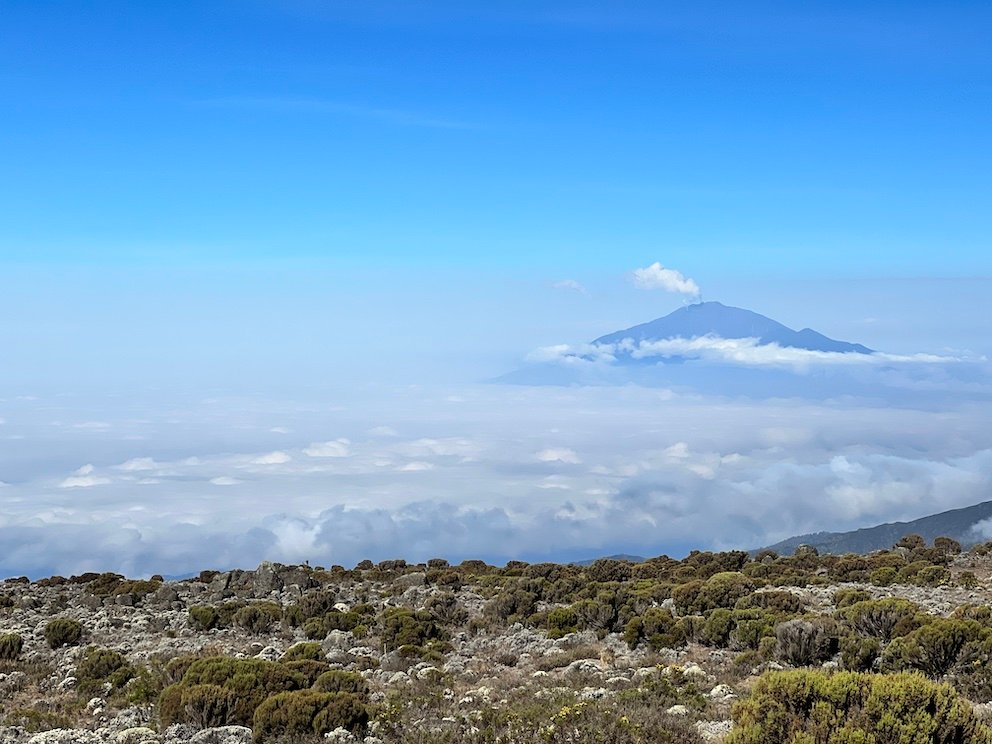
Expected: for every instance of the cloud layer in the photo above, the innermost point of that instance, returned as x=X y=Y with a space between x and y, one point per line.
x=489 y=472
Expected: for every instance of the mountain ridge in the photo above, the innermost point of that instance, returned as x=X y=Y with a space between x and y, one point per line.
x=725 y=321
x=958 y=524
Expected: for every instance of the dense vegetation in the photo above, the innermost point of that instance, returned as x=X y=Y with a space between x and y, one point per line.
x=366 y=651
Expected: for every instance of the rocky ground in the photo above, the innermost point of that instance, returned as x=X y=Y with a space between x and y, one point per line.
x=444 y=656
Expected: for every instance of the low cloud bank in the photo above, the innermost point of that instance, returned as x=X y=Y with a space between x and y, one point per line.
x=484 y=472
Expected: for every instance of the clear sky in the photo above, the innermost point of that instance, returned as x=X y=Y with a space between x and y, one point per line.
x=255 y=258
x=837 y=138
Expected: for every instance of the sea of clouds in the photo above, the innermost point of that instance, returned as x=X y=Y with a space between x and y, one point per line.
x=153 y=484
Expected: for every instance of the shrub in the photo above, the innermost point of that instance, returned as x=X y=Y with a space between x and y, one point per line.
x=63 y=631
x=859 y=653
x=399 y=626
x=716 y=631
x=608 y=569
x=846 y=597
x=800 y=707
x=591 y=614
x=339 y=681
x=11 y=645
x=775 y=600
x=208 y=706
x=297 y=651
x=722 y=589
x=802 y=642
x=885 y=576
x=250 y=680
x=309 y=669
x=100 y=665
x=308 y=712
x=203 y=617
x=561 y=621
x=658 y=627
x=511 y=605
x=313 y=604
x=259 y=617
x=445 y=609
x=882 y=618
x=937 y=647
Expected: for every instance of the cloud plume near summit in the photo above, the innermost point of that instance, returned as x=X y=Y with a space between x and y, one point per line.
x=657 y=276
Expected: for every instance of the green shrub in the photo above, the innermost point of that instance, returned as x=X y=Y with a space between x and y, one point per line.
x=309 y=669
x=250 y=680
x=658 y=627
x=722 y=589
x=308 y=712
x=777 y=601
x=807 y=707
x=716 y=631
x=203 y=617
x=100 y=665
x=340 y=681
x=208 y=706
x=802 y=642
x=561 y=621
x=258 y=617
x=11 y=645
x=938 y=647
x=846 y=597
x=882 y=618
x=885 y=576
x=311 y=605
x=859 y=653
x=63 y=631
x=511 y=605
x=399 y=626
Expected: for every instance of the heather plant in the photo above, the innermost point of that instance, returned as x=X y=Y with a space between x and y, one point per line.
x=308 y=712
x=258 y=617
x=63 y=632
x=803 y=706
x=102 y=665
x=939 y=647
x=11 y=645
x=882 y=618
x=337 y=680
x=803 y=642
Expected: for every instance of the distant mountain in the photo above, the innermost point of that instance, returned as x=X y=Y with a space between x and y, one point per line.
x=627 y=356
x=956 y=523
x=723 y=321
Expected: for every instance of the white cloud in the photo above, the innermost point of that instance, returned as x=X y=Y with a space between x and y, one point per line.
x=334 y=448
x=559 y=454
x=657 y=276
x=743 y=351
x=570 y=285
x=84 y=478
x=383 y=431
x=656 y=475
x=272 y=458
x=138 y=464
x=279 y=430
x=416 y=466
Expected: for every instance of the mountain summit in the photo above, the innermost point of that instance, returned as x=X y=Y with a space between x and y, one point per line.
x=723 y=321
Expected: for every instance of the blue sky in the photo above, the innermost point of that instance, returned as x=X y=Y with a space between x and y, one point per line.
x=261 y=255
x=841 y=139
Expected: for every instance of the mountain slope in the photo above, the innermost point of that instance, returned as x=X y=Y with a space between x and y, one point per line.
x=956 y=523
x=717 y=319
